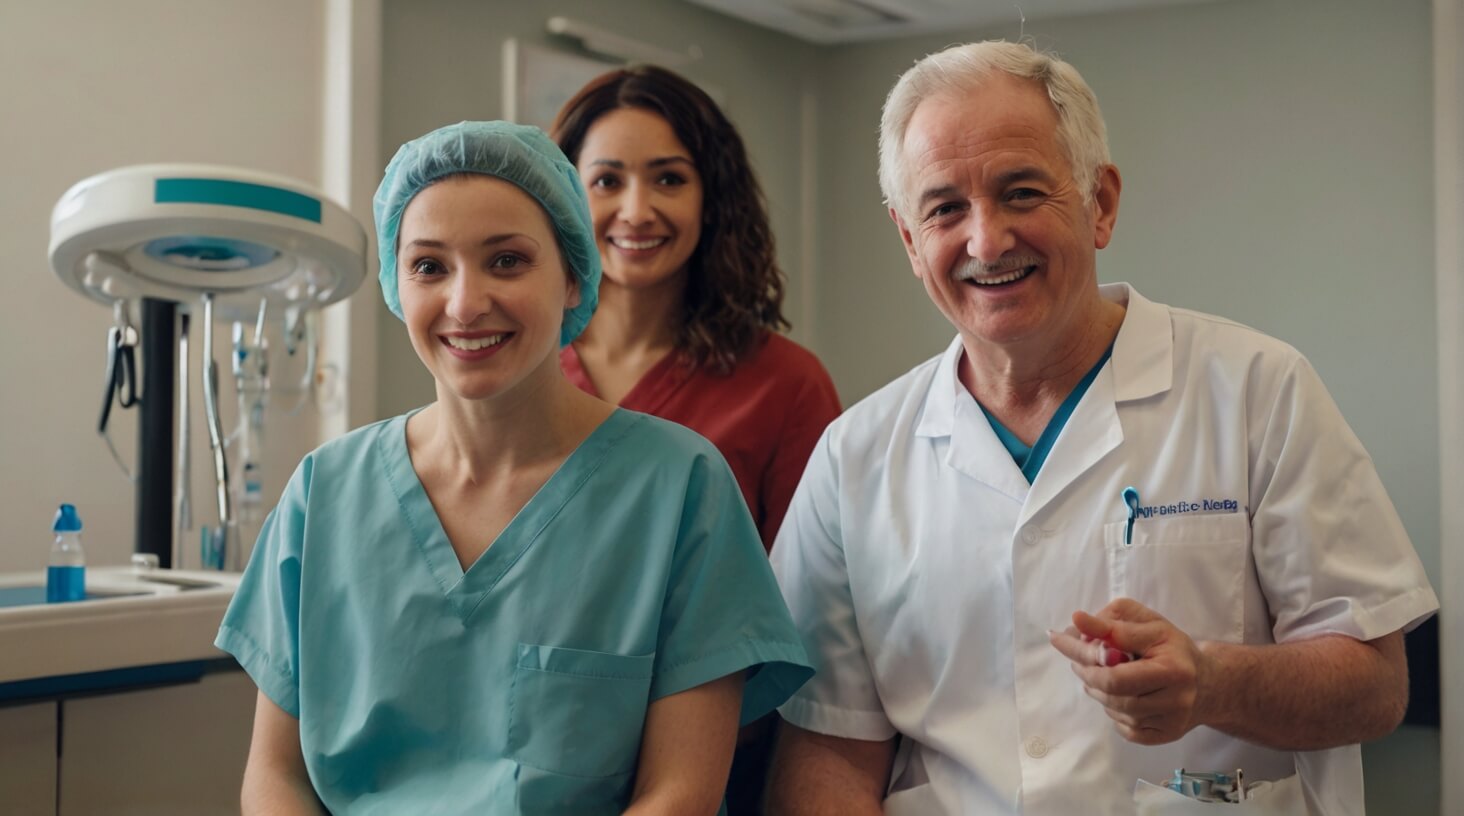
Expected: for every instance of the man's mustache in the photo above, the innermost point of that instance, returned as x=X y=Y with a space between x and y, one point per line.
x=973 y=267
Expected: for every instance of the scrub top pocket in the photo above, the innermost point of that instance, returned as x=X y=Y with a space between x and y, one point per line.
x=1190 y=569
x=576 y=713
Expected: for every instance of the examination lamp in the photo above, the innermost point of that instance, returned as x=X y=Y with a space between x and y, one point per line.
x=220 y=243
x=175 y=232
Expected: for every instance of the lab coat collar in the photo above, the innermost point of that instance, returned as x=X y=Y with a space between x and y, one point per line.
x=940 y=402
x=1143 y=360
x=1143 y=352
x=975 y=450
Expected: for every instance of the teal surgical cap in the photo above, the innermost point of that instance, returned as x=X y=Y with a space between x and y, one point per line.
x=518 y=154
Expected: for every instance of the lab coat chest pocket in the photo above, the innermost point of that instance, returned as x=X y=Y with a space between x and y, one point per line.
x=1189 y=568
x=575 y=724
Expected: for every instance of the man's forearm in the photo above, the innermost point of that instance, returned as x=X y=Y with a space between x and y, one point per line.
x=1305 y=696
x=815 y=775
x=820 y=788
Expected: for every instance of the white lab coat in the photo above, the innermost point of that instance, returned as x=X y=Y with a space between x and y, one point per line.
x=924 y=571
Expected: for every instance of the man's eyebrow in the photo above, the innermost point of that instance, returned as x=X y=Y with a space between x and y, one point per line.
x=1028 y=173
x=934 y=193
x=1005 y=178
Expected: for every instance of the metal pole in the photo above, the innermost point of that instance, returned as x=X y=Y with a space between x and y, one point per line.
x=155 y=430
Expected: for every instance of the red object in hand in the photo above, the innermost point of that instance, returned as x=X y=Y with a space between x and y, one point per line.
x=1111 y=655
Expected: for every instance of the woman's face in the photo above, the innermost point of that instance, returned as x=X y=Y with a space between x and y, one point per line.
x=483 y=285
x=645 y=198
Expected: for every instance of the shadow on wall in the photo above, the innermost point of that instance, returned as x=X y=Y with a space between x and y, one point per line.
x=1422 y=645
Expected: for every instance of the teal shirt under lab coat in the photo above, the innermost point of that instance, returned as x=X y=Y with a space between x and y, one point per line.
x=521 y=685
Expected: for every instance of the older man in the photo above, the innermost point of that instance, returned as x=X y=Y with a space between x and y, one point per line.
x=1098 y=539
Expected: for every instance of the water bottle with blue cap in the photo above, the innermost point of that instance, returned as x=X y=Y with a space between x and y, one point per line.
x=66 y=574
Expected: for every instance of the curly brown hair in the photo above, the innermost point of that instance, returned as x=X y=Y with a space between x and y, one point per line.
x=734 y=288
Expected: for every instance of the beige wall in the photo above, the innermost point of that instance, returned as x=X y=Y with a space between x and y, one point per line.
x=88 y=86
x=1448 y=39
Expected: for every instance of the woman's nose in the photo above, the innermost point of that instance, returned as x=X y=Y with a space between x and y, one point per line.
x=468 y=298
x=635 y=204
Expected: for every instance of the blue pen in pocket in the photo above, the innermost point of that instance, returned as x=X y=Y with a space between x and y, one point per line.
x=1110 y=654
x=1130 y=498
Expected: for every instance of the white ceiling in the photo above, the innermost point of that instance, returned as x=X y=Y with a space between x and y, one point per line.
x=839 y=21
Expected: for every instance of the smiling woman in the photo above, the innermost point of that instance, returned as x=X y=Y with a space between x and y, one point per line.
x=480 y=277
x=692 y=298
x=436 y=614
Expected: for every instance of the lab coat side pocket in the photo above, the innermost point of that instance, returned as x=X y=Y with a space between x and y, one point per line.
x=1189 y=568
x=578 y=713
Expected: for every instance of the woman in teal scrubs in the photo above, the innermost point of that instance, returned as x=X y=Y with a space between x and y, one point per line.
x=518 y=599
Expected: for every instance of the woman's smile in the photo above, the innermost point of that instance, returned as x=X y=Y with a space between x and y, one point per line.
x=475 y=345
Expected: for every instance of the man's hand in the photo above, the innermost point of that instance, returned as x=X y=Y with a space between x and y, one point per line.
x=1152 y=699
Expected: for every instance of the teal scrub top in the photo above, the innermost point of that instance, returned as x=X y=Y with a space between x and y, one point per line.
x=522 y=685
x=1030 y=460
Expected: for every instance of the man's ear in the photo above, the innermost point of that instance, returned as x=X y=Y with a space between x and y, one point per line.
x=1105 y=204
x=908 y=240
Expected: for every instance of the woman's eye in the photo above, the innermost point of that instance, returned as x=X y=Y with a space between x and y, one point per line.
x=671 y=180
x=606 y=182
x=507 y=262
x=426 y=267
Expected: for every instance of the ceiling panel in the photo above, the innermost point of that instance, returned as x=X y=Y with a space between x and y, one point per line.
x=839 y=21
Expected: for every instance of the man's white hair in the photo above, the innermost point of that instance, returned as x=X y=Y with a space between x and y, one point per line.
x=961 y=69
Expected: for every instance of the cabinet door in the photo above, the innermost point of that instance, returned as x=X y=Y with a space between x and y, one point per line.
x=171 y=751
x=28 y=759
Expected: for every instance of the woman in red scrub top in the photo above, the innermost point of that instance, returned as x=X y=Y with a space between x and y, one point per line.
x=691 y=301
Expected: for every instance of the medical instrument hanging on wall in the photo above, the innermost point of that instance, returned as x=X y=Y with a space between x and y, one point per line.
x=120 y=383
x=221 y=244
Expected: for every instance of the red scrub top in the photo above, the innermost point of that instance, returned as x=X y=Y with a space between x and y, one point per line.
x=765 y=416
